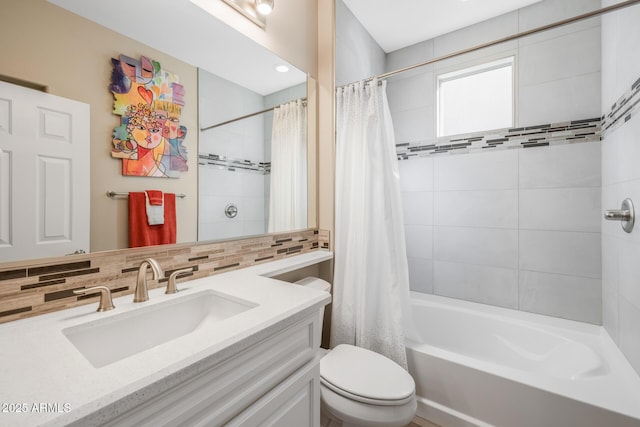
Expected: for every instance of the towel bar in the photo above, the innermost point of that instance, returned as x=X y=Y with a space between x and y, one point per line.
x=113 y=194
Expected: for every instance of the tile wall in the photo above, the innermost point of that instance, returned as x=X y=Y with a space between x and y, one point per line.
x=241 y=141
x=513 y=228
x=621 y=177
x=43 y=286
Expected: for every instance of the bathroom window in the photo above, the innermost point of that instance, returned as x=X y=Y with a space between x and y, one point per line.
x=476 y=98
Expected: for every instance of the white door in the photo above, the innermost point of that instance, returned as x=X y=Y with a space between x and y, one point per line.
x=44 y=174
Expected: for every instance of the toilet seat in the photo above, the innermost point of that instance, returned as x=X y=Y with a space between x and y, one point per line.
x=364 y=376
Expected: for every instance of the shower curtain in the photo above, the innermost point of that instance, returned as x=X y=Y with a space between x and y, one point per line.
x=371 y=278
x=288 y=192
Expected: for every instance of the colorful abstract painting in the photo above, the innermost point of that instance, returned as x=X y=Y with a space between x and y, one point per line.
x=149 y=101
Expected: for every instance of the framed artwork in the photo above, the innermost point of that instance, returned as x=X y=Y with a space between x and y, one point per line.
x=149 y=101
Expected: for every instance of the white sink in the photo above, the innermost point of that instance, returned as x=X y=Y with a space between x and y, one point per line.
x=119 y=336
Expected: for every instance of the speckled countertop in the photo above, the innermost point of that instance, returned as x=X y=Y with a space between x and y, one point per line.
x=45 y=380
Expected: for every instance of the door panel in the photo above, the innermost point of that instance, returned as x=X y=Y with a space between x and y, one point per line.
x=44 y=174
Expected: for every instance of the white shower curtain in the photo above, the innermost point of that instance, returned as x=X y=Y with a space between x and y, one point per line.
x=371 y=278
x=288 y=192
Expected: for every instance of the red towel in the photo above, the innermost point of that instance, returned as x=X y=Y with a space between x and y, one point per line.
x=143 y=234
x=155 y=197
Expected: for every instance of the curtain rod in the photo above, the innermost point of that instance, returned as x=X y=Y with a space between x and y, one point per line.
x=509 y=38
x=304 y=102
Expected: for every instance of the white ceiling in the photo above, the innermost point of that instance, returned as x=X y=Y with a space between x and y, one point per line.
x=395 y=24
x=184 y=31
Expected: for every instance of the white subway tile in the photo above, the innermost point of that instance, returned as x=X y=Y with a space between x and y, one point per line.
x=561 y=252
x=610 y=313
x=414 y=125
x=629 y=148
x=419 y=241
x=629 y=271
x=410 y=55
x=481 y=208
x=477 y=171
x=548 y=167
x=560 y=58
x=473 y=35
x=628 y=46
x=418 y=207
x=560 y=100
x=568 y=209
x=416 y=174
x=483 y=284
x=610 y=169
x=492 y=247
x=411 y=93
x=629 y=330
x=569 y=297
x=421 y=275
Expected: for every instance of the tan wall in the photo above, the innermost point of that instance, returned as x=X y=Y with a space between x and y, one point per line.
x=71 y=56
x=326 y=116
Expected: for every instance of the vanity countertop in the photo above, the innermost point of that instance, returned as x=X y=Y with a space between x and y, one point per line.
x=47 y=381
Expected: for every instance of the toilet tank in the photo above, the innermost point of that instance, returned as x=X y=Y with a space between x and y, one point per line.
x=316 y=283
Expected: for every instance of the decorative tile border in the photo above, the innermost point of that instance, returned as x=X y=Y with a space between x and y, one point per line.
x=232 y=164
x=42 y=286
x=508 y=138
x=623 y=109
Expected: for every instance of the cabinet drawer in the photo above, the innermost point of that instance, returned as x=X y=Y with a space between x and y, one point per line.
x=293 y=403
x=219 y=393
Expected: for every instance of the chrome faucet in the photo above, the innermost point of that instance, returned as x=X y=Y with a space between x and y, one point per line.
x=142 y=294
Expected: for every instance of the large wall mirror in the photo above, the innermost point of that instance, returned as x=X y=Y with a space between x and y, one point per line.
x=66 y=46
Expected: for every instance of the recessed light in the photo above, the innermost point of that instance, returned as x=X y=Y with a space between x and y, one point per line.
x=264 y=7
x=281 y=68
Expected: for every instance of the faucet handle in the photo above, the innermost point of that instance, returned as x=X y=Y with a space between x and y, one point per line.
x=172 y=288
x=106 y=302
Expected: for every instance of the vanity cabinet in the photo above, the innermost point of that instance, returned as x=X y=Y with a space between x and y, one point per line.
x=274 y=382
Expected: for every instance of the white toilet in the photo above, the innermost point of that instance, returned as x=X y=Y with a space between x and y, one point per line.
x=359 y=387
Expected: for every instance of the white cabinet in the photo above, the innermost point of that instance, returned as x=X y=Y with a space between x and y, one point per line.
x=274 y=382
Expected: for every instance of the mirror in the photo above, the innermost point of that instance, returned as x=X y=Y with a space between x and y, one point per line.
x=62 y=48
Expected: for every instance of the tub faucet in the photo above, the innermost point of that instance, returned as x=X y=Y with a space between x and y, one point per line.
x=141 y=294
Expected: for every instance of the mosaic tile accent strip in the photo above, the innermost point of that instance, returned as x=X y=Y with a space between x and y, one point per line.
x=232 y=164
x=42 y=286
x=324 y=239
x=508 y=138
x=623 y=109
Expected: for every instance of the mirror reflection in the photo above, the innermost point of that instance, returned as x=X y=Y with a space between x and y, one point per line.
x=66 y=46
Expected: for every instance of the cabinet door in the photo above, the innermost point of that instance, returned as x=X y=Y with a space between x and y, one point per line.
x=294 y=403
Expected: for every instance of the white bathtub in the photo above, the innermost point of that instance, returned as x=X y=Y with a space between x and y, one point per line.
x=478 y=365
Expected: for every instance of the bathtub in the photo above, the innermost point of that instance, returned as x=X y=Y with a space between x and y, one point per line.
x=479 y=365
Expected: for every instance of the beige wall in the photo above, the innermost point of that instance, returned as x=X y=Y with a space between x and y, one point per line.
x=70 y=55
x=326 y=116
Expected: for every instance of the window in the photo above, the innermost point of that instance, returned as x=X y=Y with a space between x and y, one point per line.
x=476 y=98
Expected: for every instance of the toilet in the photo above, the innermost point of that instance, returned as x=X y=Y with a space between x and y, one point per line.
x=359 y=387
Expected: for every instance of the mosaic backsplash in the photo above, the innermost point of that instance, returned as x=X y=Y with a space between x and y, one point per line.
x=47 y=285
x=508 y=138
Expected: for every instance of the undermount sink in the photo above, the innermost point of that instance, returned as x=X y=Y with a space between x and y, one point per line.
x=117 y=337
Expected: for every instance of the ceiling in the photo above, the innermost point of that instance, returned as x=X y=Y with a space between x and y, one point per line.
x=204 y=42
x=395 y=24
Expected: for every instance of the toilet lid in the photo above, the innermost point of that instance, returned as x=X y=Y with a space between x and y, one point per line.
x=366 y=374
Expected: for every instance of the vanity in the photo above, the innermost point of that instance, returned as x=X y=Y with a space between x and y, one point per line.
x=237 y=349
